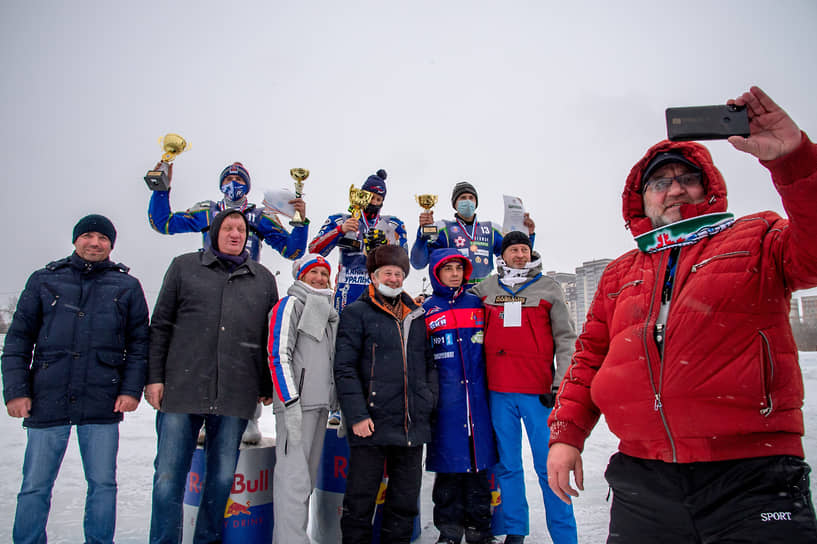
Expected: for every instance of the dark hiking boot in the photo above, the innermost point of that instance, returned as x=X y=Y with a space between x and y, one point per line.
x=514 y=539
x=475 y=536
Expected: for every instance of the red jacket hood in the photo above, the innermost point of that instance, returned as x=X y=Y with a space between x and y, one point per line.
x=714 y=186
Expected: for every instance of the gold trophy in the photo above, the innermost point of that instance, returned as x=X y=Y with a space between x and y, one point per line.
x=172 y=145
x=358 y=200
x=427 y=202
x=299 y=175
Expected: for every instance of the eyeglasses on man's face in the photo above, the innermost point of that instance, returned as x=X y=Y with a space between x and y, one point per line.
x=690 y=180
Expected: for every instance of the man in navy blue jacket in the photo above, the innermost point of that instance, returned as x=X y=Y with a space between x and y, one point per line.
x=86 y=322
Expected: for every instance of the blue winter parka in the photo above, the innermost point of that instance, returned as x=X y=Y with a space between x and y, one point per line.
x=455 y=322
x=87 y=326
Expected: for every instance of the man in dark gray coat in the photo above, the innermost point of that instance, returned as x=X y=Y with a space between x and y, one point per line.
x=207 y=366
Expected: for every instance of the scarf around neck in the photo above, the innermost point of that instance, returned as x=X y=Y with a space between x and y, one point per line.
x=514 y=276
x=318 y=311
x=685 y=232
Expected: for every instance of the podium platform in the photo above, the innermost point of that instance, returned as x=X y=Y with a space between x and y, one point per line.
x=248 y=517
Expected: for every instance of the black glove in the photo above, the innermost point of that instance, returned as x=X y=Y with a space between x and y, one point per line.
x=548 y=400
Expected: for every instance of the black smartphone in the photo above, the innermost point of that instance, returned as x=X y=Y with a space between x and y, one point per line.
x=707 y=122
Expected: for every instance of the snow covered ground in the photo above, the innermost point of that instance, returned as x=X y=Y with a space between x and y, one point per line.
x=137 y=448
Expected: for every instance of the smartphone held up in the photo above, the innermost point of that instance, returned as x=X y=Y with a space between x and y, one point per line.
x=707 y=122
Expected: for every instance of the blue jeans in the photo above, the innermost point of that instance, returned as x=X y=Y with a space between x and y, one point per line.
x=506 y=411
x=177 y=435
x=45 y=449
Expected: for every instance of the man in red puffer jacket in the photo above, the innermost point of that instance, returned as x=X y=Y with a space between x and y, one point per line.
x=688 y=352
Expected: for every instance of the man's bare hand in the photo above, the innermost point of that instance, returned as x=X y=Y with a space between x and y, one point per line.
x=426 y=218
x=350 y=225
x=528 y=222
x=363 y=428
x=169 y=170
x=772 y=132
x=562 y=460
x=19 y=407
x=154 y=392
x=299 y=205
x=125 y=403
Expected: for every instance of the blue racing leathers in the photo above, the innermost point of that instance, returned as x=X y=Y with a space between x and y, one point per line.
x=352 y=275
x=263 y=225
x=479 y=242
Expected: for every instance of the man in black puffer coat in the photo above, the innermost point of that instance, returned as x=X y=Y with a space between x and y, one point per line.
x=85 y=320
x=386 y=385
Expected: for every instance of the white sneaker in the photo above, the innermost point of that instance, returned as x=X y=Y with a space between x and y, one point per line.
x=252 y=434
x=334 y=417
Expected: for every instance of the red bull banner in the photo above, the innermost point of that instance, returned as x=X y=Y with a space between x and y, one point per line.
x=327 y=499
x=248 y=515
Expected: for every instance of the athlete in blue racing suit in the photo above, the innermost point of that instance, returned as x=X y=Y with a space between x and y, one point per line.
x=235 y=184
x=352 y=275
x=476 y=240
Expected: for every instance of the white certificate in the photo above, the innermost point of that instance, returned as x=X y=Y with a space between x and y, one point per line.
x=276 y=200
x=514 y=215
x=513 y=314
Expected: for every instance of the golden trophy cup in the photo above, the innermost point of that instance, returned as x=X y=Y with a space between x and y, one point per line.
x=358 y=200
x=172 y=145
x=427 y=202
x=299 y=175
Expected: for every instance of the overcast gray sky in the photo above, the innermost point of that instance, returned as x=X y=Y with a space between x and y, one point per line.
x=550 y=101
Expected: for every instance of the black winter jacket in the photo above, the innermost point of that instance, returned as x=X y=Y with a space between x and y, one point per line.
x=384 y=369
x=86 y=324
x=208 y=336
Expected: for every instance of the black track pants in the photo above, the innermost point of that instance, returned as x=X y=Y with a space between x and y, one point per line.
x=764 y=499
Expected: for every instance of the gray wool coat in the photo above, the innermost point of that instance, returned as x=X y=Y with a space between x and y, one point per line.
x=208 y=336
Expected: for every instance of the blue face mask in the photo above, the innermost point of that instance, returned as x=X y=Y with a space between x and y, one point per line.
x=234 y=190
x=466 y=208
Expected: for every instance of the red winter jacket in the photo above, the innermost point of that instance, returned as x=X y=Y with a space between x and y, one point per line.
x=728 y=385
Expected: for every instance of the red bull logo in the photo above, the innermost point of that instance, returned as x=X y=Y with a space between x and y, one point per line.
x=236 y=509
x=242 y=484
x=248 y=512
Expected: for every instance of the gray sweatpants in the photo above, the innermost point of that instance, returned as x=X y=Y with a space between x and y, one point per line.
x=295 y=475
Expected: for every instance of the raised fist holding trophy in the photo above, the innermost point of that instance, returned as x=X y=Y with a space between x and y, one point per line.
x=358 y=200
x=173 y=145
x=299 y=175
x=427 y=227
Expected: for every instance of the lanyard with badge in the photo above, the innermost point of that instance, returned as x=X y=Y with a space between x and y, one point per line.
x=512 y=309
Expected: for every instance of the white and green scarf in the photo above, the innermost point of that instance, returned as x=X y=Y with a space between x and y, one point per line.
x=685 y=232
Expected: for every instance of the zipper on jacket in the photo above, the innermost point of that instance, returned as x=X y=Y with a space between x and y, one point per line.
x=658 y=406
x=705 y=262
x=407 y=419
x=767 y=411
x=623 y=287
x=53 y=304
x=371 y=376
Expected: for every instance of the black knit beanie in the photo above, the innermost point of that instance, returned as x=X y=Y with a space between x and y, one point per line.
x=95 y=223
x=513 y=238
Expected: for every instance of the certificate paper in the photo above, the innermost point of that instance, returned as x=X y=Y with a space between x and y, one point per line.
x=514 y=215
x=513 y=314
x=276 y=201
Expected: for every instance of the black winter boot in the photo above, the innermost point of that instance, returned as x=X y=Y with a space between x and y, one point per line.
x=514 y=539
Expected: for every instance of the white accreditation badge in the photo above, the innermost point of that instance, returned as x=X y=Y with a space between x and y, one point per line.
x=513 y=314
